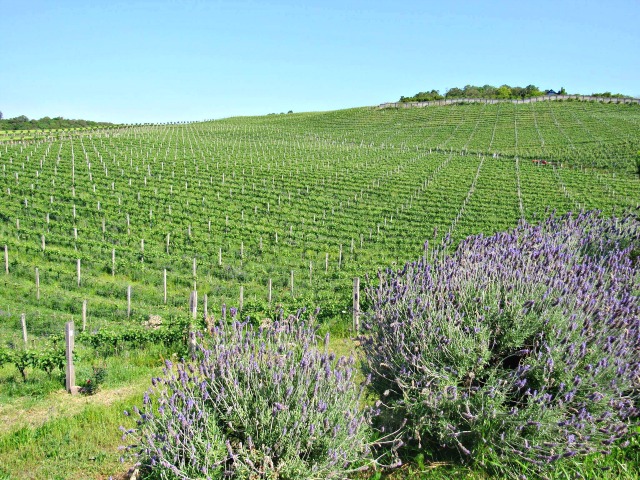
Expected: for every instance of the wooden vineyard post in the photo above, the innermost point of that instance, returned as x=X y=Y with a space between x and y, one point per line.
x=128 y=301
x=424 y=255
x=356 y=304
x=292 y=283
x=168 y=243
x=70 y=369
x=84 y=315
x=220 y=257
x=113 y=262
x=193 y=306
x=78 y=271
x=164 y=285
x=340 y=258
x=193 y=303
x=241 y=302
x=6 y=260
x=43 y=242
x=23 y=321
x=205 y=308
x=37 y=284
x=194 y=268
x=269 y=291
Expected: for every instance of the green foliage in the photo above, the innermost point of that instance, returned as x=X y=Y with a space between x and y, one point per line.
x=92 y=384
x=423 y=97
x=473 y=91
x=48 y=359
x=610 y=95
x=46 y=123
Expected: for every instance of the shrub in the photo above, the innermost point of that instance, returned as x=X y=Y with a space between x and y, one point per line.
x=92 y=384
x=268 y=403
x=518 y=349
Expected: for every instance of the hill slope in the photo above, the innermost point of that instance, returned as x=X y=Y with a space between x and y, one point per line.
x=327 y=196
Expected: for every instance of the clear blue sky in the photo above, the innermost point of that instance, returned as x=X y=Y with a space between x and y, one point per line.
x=158 y=61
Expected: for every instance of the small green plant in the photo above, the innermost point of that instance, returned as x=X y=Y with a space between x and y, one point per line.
x=92 y=384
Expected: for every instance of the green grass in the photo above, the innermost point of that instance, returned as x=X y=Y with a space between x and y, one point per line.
x=83 y=445
x=46 y=433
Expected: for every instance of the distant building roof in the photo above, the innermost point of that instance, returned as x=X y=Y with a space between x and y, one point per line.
x=551 y=92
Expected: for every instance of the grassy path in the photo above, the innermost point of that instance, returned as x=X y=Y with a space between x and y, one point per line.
x=66 y=437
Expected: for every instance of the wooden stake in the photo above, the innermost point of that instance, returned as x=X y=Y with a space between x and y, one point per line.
x=37 y=284
x=205 y=307
x=292 y=283
x=84 y=315
x=113 y=262
x=193 y=304
x=78 y=271
x=70 y=369
x=356 y=304
x=128 y=301
x=269 y=291
x=241 y=302
x=6 y=260
x=164 y=284
x=23 y=321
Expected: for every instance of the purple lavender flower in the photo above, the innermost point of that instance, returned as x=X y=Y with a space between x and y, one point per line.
x=536 y=329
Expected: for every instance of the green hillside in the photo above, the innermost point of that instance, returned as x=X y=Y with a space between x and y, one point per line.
x=327 y=196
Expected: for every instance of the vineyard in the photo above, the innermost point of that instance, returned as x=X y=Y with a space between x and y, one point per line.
x=306 y=201
x=114 y=228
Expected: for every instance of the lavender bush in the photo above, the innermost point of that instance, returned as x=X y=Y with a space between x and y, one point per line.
x=518 y=349
x=268 y=403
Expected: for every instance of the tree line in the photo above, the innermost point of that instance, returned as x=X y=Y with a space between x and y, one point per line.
x=486 y=91
x=46 y=123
